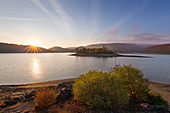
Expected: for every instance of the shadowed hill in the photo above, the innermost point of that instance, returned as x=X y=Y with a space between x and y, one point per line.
x=158 y=49
x=120 y=47
x=14 y=48
x=60 y=49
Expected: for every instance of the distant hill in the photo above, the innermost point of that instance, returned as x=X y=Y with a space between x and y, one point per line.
x=14 y=48
x=60 y=49
x=120 y=47
x=158 y=49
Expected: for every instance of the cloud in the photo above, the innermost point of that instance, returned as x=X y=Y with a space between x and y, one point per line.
x=151 y=38
x=119 y=23
x=112 y=32
x=58 y=15
x=63 y=15
x=95 y=15
x=143 y=38
x=134 y=27
x=41 y=7
x=17 y=19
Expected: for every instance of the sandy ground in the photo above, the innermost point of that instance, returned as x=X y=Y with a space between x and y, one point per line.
x=8 y=91
x=163 y=89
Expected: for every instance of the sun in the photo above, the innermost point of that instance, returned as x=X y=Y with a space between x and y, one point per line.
x=33 y=47
x=34 y=43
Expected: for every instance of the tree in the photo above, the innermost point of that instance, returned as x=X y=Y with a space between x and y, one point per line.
x=77 y=50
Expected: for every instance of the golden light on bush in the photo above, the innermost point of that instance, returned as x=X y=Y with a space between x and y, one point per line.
x=100 y=90
x=45 y=97
x=133 y=79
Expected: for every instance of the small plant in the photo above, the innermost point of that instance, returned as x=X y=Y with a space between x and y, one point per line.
x=45 y=97
x=100 y=90
x=134 y=80
x=155 y=98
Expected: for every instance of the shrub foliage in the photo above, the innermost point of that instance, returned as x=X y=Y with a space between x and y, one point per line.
x=45 y=97
x=133 y=79
x=114 y=89
x=155 y=98
x=100 y=90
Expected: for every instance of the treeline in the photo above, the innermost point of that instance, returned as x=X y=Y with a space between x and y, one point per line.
x=94 y=50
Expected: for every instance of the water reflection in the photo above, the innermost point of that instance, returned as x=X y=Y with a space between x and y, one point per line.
x=36 y=72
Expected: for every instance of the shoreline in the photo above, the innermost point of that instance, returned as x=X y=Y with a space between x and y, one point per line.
x=39 y=84
x=108 y=55
x=55 y=82
x=161 y=88
x=22 y=95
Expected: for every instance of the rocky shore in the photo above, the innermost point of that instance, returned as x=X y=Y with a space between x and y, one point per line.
x=107 y=55
x=20 y=98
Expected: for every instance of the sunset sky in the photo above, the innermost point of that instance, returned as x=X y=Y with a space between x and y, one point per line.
x=70 y=23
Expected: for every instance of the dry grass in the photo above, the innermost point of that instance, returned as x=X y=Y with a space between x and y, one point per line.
x=45 y=97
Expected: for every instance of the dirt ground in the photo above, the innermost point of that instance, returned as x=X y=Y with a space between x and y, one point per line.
x=7 y=91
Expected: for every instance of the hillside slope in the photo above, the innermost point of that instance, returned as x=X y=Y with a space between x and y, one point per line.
x=120 y=47
x=14 y=48
x=60 y=49
x=158 y=49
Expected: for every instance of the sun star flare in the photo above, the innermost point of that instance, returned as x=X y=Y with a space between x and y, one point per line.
x=33 y=43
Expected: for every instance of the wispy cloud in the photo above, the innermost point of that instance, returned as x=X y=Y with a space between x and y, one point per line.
x=58 y=15
x=151 y=38
x=63 y=15
x=112 y=32
x=143 y=38
x=118 y=24
x=95 y=15
x=41 y=7
x=18 y=19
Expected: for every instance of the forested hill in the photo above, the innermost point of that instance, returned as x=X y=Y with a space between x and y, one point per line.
x=60 y=49
x=14 y=48
x=120 y=47
x=158 y=49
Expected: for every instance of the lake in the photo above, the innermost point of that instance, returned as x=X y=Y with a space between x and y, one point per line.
x=27 y=68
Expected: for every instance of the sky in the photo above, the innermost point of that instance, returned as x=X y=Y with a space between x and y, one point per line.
x=71 y=23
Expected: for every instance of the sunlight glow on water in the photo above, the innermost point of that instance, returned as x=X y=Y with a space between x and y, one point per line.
x=27 y=68
x=36 y=70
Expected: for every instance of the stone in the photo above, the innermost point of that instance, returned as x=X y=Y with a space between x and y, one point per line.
x=66 y=85
x=2 y=106
x=30 y=95
x=64 y=95
x=10 y=102
x=17 y=99
x=145 y=107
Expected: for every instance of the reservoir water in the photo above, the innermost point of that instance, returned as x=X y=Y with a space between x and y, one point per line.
x=27 y=68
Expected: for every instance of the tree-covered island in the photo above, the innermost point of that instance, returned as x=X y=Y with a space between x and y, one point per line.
x=100 y=52
x=95 y=52
x=103 y=50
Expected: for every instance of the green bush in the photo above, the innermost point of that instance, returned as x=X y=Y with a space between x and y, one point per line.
x=155 y=98
x=100 y=90
x=133 y=79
